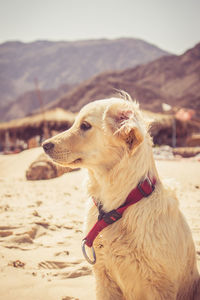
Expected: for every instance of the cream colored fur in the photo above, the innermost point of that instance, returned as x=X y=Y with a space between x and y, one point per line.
x=149 y=253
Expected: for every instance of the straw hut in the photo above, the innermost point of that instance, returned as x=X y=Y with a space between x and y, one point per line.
x=166 y=129
x=32 y=130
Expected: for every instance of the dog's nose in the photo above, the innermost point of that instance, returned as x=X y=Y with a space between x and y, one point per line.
x=48 y=146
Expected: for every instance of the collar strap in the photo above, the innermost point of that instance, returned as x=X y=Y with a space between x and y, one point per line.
x=143 y=189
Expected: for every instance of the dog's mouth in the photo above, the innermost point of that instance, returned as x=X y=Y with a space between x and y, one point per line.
x=76 y=161
x=62 y=162
x=62 y=158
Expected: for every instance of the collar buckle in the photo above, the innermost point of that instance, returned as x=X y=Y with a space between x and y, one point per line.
x=112 y=216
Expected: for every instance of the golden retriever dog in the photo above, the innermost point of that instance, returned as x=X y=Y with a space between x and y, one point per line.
x=148 y=253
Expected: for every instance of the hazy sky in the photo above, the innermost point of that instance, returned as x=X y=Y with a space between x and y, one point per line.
x=173 y=25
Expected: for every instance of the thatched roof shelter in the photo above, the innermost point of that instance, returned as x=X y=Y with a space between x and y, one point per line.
x=47 y=124
x=164 y=126
x=36 y=125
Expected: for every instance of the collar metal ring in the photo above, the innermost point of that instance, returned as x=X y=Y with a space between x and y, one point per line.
x=92 y=262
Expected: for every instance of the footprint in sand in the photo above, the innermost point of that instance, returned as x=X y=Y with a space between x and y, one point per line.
x=69 y=298
x=53 y=265
x=79 y=271
x=21 y=239
x=72 y=269
x=43 y=224
x=5 y=233
x=62 y=253
x=17 y=236
x=8 y=227
x=32 y=232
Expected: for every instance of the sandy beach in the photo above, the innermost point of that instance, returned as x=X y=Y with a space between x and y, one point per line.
x=41 y=228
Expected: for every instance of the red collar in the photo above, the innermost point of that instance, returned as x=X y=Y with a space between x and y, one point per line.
x=143 y=189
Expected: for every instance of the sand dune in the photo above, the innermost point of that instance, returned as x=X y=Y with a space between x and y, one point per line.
x=41 y=228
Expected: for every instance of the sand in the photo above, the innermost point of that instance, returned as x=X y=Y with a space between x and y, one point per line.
x=41 y=228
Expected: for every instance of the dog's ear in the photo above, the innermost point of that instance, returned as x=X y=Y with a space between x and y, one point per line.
x=124 y=124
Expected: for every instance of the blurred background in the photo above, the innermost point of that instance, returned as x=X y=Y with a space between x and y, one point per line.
x=56 y=56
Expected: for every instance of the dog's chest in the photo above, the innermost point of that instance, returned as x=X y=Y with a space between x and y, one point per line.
x=119 y=258
x=115 y=242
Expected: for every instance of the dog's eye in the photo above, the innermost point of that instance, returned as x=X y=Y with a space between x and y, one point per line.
x=85 y=126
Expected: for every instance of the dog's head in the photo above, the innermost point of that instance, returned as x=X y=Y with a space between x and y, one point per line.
x=102 y=133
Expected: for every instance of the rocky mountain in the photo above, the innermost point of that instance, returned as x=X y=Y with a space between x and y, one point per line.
x=57 y=63
x=31 y=101
x=171 y=79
